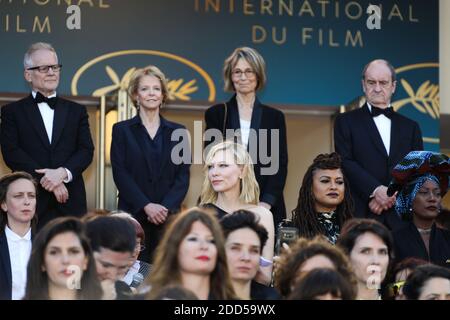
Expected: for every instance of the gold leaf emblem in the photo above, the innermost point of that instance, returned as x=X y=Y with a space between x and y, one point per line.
x=425 y=99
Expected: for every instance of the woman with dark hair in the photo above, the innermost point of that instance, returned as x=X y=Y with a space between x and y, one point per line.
x=324 y=199
x=61 y=265
x=370 y=247
x=192 y=254
x=421 y=179
x=428 y=282
x=151 y=184
x=17 y=222
x=323 y=284
x=244 y=240
x=306 y=255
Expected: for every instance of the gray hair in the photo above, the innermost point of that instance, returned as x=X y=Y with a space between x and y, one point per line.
x=28 y=61
x=387 y=63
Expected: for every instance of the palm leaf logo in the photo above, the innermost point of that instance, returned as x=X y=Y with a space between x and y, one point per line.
x=425 y=99
x=118 y=84
x=178 y=90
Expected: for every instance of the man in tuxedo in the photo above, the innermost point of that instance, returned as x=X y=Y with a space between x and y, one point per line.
x=372 y=140
x=48 y=137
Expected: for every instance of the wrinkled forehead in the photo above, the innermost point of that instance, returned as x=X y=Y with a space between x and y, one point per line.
x=378 y=70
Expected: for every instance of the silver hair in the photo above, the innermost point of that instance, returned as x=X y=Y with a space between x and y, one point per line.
x=28 y=61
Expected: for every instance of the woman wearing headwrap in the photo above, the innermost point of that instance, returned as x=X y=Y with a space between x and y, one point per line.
x=421 y=179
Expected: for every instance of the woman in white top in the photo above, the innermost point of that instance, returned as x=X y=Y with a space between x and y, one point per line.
x=230 y=185
x=17 y=219
x=261 y=129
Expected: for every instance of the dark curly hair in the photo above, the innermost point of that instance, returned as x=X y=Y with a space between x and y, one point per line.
x=304 y=249
x=304 y=216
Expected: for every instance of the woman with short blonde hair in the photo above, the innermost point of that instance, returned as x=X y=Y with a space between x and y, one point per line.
x=150 y=185
x=249 y=189
x=230 y=185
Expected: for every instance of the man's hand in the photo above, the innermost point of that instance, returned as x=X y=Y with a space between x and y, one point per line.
x=381 y=201
x=156 y=213
x=52 y=178
x=61 y=193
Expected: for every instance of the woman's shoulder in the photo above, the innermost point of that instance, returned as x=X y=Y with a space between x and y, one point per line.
x=125 y=123
x=260 y=210
x=219 y=107
x=172 y=124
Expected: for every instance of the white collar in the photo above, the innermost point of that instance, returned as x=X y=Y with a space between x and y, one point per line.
x=12 y=236
x=368 y=105
x=34 y=93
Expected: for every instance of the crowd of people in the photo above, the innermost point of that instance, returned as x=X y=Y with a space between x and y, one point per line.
x=369 y=222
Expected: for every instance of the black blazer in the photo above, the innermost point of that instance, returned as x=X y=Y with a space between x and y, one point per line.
x=365 y=161
x=5 y=269
x=137 y=183
x=263 y=117
x=409 y=243
x=25 y=147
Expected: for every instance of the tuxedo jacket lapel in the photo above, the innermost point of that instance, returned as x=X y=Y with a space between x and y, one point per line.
x=32 y=112
x=59 y=120
x=233 y=114
x=373 y=130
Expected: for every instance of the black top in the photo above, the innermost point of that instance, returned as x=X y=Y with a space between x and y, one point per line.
x=261 y=292
x=153 y=146
x=409 y=243
x=220 y=213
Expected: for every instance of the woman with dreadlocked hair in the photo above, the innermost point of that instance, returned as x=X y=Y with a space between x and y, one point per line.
x=324 y=200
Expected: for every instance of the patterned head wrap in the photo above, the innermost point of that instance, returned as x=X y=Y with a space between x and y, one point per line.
x=413 y=171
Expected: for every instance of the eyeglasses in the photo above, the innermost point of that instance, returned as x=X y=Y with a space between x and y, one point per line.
x=394 y=288
x=249 y=74
x=44 y=69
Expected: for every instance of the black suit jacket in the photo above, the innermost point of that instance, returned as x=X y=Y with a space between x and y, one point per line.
x=365 y=161
x=5 y=269
x=409 y=243
x=25 y=146
x=263 y=117
x=137 y=183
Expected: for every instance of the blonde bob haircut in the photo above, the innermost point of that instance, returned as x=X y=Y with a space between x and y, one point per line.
x=249 y=188
x=136 y=77
x=253 y=58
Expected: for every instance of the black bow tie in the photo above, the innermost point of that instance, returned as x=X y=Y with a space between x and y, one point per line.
x=50 y=101
x=377 y=111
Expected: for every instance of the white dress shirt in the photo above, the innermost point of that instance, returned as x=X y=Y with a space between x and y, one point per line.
x=245 y=131
x=47 y=115
x=19 y=254
x=383 y=124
